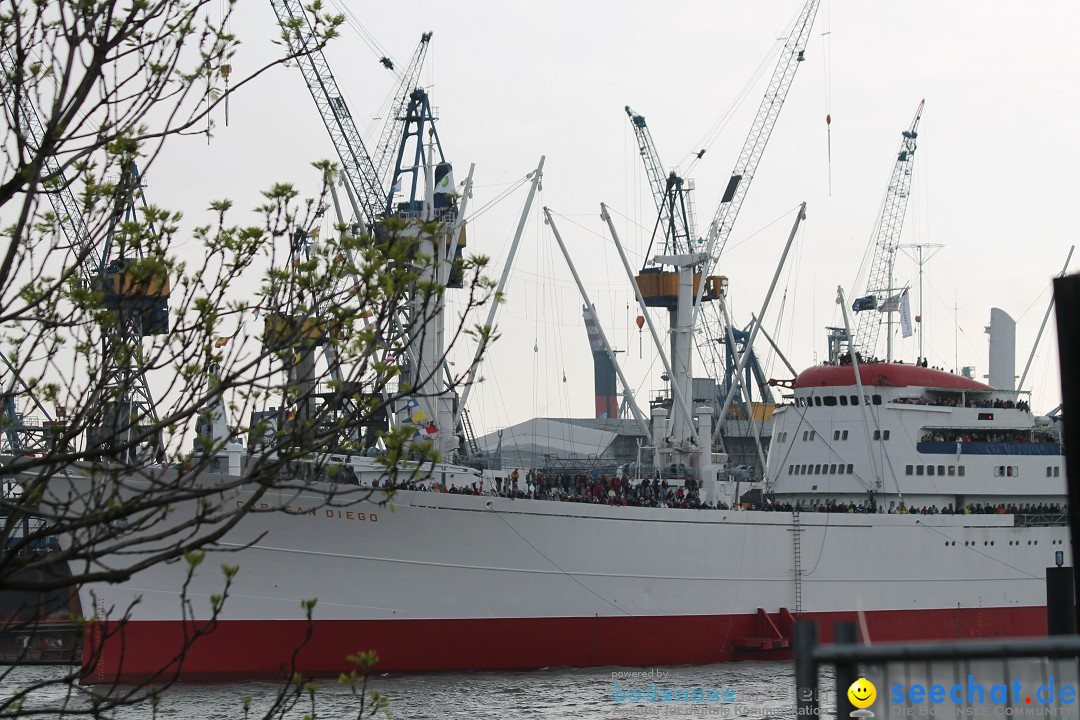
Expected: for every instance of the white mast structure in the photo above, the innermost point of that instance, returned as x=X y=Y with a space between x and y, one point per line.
x=921 y=253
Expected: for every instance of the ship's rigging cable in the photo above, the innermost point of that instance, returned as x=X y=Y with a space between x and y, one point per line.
x=773 y=356
x=826 y=66
x=557 y=340
x=491 y=507
x=474 y=214
x=832 y=451
x=796 y=275
x=784 y=215
x=710 y=136
x=886 y=463
x=536 y=354
x=389 y=102
x=366 y=36
x=379 y=51
x=956 y=320
x=631 y=253
x=973 y=548
x=738 y=583
x=1049 y=288
x=500 y=400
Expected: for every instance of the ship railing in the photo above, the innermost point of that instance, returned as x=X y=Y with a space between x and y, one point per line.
x=39 y=642
x=1035 y=677
x=1041 y=519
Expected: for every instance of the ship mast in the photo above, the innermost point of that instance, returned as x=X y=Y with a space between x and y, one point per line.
x=922 y=252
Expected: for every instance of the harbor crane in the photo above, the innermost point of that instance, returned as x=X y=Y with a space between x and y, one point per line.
x=675 y=207
x=791 y=57
x=368 y=196
x=879 y=298
x=675 y=220
x=23 y=433
x=377 y=193
x=689 y=282
x=392 y=128
x=121 y=411
x=673 y=194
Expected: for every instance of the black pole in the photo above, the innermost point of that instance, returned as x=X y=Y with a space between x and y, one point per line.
x=847 y=672
x=806 y=680
x=1060 y=602
x=1067 y=311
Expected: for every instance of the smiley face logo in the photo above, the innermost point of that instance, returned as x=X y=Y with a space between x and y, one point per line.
x=862 y=693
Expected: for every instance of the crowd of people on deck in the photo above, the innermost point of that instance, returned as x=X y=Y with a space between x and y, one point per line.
x=1020 y=437
x=598 y=490
x=619 y=491
x=870 y=508
x=845 y=359
x=955 y=402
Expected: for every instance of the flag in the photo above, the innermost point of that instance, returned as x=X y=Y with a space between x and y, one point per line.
x=397 y=185
x=905 y=315
x=412 y=414
x=444 y=178
x=864 y=303
x=890 y=304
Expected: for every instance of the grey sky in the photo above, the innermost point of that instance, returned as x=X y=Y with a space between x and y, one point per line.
x=994 y=180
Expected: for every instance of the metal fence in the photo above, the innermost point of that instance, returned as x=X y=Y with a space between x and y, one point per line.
x=962 y=679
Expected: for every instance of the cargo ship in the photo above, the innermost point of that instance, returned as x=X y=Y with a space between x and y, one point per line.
x=453 y=581
x=922 y=503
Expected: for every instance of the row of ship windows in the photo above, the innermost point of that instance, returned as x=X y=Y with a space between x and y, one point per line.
x=826 y=469
x=810 y=435
x=999 y=470
x=973 y=543
x=942 y=470
x=834 y=400
x=951 y=470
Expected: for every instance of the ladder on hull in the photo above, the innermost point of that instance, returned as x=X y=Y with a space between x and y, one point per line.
x=796 y=544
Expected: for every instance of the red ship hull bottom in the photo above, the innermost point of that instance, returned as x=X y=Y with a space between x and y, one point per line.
x=250 y=649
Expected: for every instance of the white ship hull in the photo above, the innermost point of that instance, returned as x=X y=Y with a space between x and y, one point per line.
x=442 y=581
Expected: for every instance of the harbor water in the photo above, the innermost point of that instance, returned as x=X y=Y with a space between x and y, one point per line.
x=740 y=690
